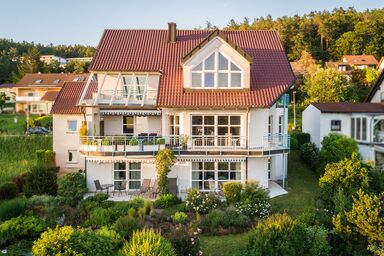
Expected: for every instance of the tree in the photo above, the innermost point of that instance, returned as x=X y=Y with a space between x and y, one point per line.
x=164 y=162
x=77 y=67
x=326 y=85
x=3 y=99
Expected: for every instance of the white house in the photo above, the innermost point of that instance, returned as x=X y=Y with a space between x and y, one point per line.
x=216 y=98
x=362 y=121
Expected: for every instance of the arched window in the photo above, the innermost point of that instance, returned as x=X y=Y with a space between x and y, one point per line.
x=216 y=71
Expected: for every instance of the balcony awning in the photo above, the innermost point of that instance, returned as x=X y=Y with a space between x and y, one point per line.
x=211 y=159
x=130 y=112
x=102 y=160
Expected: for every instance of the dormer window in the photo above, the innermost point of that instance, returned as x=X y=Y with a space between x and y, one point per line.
x=38 y=81
x=56 y=81
x=216 y=71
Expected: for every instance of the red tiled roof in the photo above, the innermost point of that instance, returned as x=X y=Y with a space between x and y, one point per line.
x=68 y=98
x=7 y=86
x=50 y=95
x=360 y=59
x=48 y=79
x=149 y=50
x=348 y=107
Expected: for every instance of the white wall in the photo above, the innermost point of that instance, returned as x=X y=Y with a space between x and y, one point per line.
x=64 y=141
x=258 y=170
x=377 y=96
x=311 y=124
x=325 y=124
x=113 y=125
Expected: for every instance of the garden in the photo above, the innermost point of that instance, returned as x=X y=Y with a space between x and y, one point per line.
x=337 y=210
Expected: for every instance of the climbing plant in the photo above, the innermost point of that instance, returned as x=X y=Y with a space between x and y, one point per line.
x=164 y=162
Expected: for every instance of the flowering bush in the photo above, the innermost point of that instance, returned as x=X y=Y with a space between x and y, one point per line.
x=257 y=209
x=201 y=202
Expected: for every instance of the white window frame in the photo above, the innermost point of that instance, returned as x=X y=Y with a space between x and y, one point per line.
x=68 y=126
x=127 y=171
x=74 y=157
x=334 y=127
x=37 y=108
x=357 y=125
x=216 y=72
x=174 y=128
x=281 y=121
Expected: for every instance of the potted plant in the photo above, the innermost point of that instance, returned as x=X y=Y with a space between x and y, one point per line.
x=107 y=145
x=90 y=145
x=161 y=143
x=132 y=145
x=120 y=142
x=149 y=145
x=184 y=140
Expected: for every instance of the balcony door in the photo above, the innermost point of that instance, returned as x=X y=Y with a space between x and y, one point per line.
x=129 y=125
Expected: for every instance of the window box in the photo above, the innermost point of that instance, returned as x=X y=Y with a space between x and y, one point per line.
x=130 y=148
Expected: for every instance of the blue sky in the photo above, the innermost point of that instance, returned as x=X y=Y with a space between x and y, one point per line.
x=83 y=21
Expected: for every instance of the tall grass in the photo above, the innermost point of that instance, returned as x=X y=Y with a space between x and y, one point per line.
x=18 y=153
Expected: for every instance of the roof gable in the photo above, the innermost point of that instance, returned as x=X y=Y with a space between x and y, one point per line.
x=375 y=87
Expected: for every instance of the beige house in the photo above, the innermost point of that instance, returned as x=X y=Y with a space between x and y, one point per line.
x=217 y=99
x=37 y=92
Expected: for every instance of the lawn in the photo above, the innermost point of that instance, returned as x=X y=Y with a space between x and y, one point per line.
x=9 y=126
x=301 y=187
x=18 y=153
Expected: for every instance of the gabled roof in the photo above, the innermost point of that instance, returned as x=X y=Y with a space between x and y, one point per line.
x=375 y=87
x=50 y=96
x=348 y=107
x=149 y=50
x=49 y=79
x=6 y=86
x=69 y=95
x=360 y=59
x=214 y=34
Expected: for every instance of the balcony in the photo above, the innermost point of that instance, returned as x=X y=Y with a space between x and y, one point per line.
x=27 y=98
x=125 y=98
x=181 y=145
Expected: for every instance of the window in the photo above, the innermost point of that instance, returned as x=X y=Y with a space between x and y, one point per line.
x=71 y=125
x=335 y=125
x=270 y=125
x=174 y=128
x=216 y=71
x=30 y=94
x=133 y=87
x=72 y=156
x=38 y=81
x=359 y=128
x=281 y=124
x=37 y=108
x=216 y=130
x=128 y=125
x=127 y=171
x=212 y=175
x=56 y=81
x=269 y=167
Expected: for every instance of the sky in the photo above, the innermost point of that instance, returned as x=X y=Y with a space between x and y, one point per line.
x=83 y=21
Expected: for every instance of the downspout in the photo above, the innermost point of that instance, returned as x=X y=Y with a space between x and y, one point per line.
x=284 y=136
x=247 y=141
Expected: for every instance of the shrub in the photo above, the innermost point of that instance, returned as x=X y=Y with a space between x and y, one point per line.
x=19 y=180
x=147 y=242
x=41 y=180
x=45 y=157
x=232 y=191
x=87 y=242
x=133 y=142
x=294 y=143
x=280 y=235
x=72 y=187
x=301 y=138
x=19 y=228
x=45 y=121
x=335 y=147
x=309 y=154
x=166 y=201
x=125 y=226
x=48 y=206
x=8 y=190
x=54 y=242
x=180 y=218
x=184 y=241
x=201 y=202
x=254 y=201
x=100 y=217
x=230 y=218
x=12 y=208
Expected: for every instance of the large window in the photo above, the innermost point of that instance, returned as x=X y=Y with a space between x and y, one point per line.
x=127 y=171
x=216 y=130
x=359 y=128
x=133 y=86
x=212 y=175
x=174 y=128
x=216 y=71
x=128 y=125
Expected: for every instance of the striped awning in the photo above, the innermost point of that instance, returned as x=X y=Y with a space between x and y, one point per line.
x=130 y=112
x=102 y=160
x=211 y=159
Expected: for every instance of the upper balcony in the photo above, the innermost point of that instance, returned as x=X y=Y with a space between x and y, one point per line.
x=27 y=98
x=126 y=89
x=182 y=145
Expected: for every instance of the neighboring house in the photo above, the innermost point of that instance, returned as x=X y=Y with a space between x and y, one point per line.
x=216 y=98
x=49 y=58
x=9 y=91
x=350 y=62
x=80 y=59
x=362 y=121
x=38 y=91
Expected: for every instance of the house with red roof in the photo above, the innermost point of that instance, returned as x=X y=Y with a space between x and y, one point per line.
x=363 y=122
x=217 y=99
x=351 y=62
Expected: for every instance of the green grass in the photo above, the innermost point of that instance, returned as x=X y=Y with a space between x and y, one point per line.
x=302 y=184
x=18 y=153
x=8 y=125
x=223 y=245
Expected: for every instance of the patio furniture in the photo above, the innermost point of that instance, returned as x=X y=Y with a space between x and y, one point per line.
x=153 y=191
x=172 y=186
x=100 y=187
x=121 y=187
x=143 y=189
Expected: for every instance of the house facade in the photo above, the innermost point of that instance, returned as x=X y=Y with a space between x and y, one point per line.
x=363 y=122
x=351 y=62
x=37 y=92
x=217 y=99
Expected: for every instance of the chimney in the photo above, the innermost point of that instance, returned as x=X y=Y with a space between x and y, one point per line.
x=172 y=32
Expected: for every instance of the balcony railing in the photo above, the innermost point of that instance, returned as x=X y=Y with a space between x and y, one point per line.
x=131 y=97
x=182 y=143
x=27 y=98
